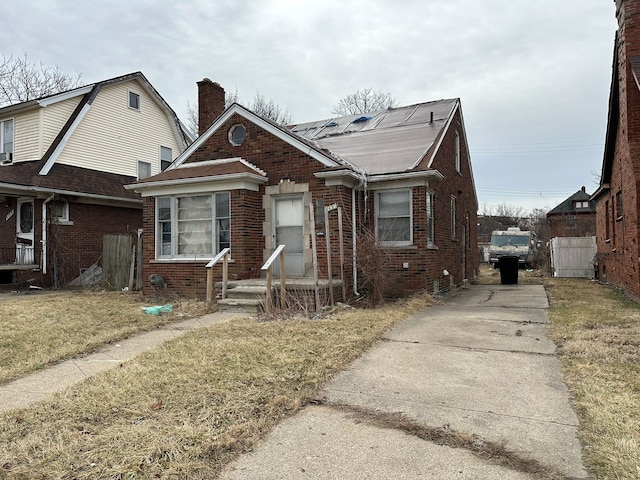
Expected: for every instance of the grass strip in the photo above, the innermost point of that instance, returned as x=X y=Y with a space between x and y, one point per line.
x=597 y=331
x=43 y=329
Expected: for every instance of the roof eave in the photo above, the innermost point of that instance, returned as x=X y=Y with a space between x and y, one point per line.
x=286 y=136
x=258 y=179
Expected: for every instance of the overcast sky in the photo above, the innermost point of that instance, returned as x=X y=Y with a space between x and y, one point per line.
x=533 y=76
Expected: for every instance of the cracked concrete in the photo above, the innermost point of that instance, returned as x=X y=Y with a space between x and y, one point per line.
x=481 y=365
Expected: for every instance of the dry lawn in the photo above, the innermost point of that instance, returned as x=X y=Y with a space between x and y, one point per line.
x=185 y=410
x=597 y=331
x=41 y=329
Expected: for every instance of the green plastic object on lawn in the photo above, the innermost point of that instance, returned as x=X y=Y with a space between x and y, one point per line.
x=158 y=309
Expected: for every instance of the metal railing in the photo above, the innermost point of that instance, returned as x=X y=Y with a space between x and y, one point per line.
x=224 y=256
x=268 y=268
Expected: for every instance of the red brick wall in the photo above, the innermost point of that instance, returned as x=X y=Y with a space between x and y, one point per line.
x=78 y=246
x=618 y=255
x=572 y=225
x=70 y=247
x=283 y=162
x=428 y=264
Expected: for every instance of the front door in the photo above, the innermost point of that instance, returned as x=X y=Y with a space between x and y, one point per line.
x=24 y=232
x=288 y=222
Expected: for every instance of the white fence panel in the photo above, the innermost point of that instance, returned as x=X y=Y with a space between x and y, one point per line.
x=573 y=256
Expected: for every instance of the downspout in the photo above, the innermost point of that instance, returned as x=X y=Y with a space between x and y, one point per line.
x=44 y=233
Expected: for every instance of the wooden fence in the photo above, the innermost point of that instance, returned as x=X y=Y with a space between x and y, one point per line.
x=118 y=262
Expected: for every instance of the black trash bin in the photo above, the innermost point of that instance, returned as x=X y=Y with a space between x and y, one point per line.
x=508 y=266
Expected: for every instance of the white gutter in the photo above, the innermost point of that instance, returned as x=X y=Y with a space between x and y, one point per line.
x=111 y=198
x=353 y=241
x=44 y=233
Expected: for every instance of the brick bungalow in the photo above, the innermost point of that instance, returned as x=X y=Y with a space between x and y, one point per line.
x=250 y=184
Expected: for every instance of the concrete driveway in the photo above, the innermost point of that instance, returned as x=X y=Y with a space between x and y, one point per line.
x=470 y=389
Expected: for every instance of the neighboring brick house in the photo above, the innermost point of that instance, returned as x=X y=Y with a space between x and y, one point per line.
x=249 y=183
x=575 y=217
x=64 y=160
x=617 y=214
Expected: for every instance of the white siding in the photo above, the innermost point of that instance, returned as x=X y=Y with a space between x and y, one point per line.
x=112 y=137
x=35 y=130
x=53 y=119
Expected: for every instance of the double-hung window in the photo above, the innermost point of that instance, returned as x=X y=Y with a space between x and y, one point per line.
x=393 y=217
x=166 y=157
x=6 y=138
x=193 y=226
x=134 y=100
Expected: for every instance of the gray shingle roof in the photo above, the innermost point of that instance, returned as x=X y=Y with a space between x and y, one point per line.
x=388 y=141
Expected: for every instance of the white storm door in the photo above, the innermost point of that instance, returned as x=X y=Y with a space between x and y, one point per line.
x=24 y=232
x=288 y=224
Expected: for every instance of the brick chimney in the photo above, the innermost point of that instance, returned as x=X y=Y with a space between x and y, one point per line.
x=210 y=103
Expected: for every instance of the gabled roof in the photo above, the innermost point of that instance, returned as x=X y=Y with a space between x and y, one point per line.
x=568 y=206
x=311 y=148
x=89 y=93
x=389 y=141
x=46 y=173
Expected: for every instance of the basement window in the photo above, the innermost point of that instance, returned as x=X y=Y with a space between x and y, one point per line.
x=60 y=212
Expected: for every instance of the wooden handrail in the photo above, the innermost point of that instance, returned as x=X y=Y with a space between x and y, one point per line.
x=268 y=267
x=224 y=255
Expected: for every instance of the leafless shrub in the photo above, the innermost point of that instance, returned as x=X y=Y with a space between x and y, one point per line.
x=376 y=274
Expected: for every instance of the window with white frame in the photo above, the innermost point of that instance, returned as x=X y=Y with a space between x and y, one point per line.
x=457 y=152
x=144 y=169
x=166 y=157
x=192 y=226
x=431 y=237
x=393 y=217
x=453 y=217
x=134 y=100
x=581 y=204
x=60 y=211
x=6 y=138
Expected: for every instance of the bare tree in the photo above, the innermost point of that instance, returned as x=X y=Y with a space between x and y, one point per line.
x=21 y=80
x=364 y=101
x=269 y=109
x=259 y=105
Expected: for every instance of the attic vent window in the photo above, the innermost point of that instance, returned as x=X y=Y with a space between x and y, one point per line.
x=237 y=135
x=364 y=118
x=134 y=101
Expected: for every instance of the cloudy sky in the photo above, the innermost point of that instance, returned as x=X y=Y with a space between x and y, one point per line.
x=533 y=75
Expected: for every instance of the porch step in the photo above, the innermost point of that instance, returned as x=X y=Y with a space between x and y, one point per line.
x=248 y=305
x=242 y=297
x=246 y=292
